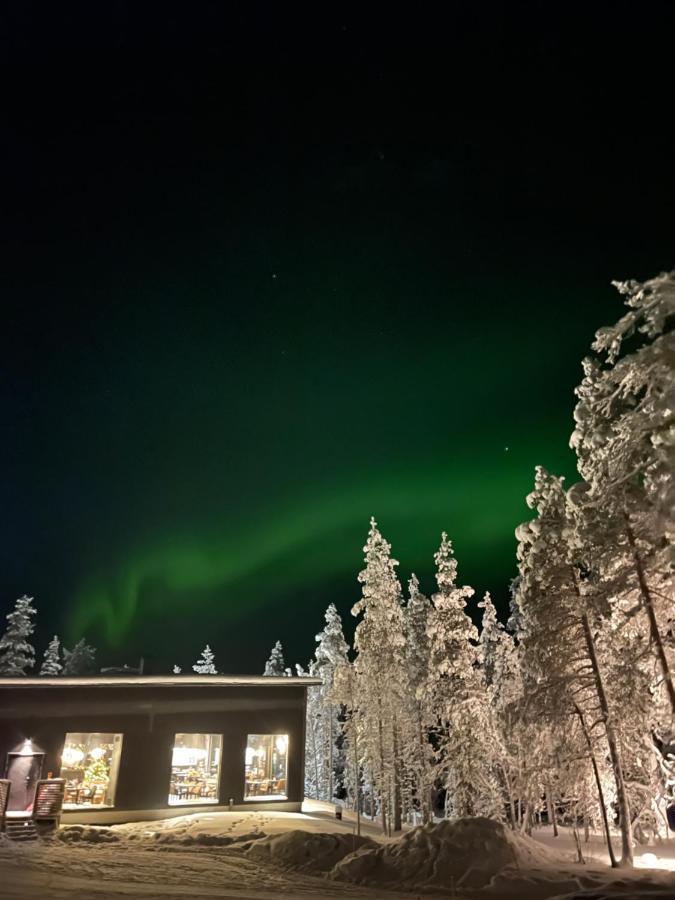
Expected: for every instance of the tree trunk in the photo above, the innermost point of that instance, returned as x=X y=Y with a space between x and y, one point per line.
x=550 y=806
x=330 y=755
x=614 y=750
x=383 y=792
x=580 y=855
x=525 y=822
x=422 y=776
x=598 y=784
x=357 y=779
x=315 y=755
x=509 y=791
x=398 y=824
x=648 y=604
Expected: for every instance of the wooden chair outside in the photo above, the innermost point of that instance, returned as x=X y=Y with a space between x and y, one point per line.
x=49 y=794
x=5 y=785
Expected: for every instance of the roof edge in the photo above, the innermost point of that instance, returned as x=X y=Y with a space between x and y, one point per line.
x=160 y=681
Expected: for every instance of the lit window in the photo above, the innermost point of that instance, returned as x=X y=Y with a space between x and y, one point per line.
x=195 y=766
x=89 y=764
x=266 y=766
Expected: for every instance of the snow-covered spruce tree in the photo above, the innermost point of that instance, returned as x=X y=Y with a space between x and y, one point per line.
x=176 y=670
x=515 y=624
x=79 y=660
x=499 y=664
x=625 y=444
x=455 y=693
x=343 y=694
x=331 y=653
x=206 y=665
x=16 y=654
x=51 y=664
x=635 y=690
x=416 y=747
x=379 y=642
x=495 y=645
x=315 y=770
x=562 y=618
x=275 y=665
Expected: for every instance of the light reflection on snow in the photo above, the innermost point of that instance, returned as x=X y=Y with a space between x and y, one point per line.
x=652 y=861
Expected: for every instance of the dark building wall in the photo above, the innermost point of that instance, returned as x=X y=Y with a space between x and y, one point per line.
x=149 y=718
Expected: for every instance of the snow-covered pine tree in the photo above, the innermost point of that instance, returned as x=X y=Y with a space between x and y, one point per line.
x=206 y=665
x=625 y=444
x=51 y=664
x=315 y=775
x=417 y=750
x=499 y=665
x=331 y=653
x=275 y=665
x=455 y=693
x=563 y=617
x=176 y=670
x=379 y=642
x=493 y=640
x=79 y=660
x=16 y=654
x=343 y=694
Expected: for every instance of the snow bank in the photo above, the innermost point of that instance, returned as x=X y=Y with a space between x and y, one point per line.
x=206 y=839
x=466 y=853
x=88 y=833
x=305 y=851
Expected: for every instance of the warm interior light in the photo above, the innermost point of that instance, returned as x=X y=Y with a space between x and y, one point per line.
x=282 y=743
x=187 y=756
x=27 y=749
x=72 y=756
x=97 y=753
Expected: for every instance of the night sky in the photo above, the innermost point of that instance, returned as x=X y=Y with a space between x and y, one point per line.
x=271 y=269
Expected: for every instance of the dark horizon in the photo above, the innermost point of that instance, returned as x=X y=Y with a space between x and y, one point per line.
x=272 y=272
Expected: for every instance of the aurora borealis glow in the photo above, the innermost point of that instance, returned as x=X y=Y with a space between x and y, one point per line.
x=250 y=308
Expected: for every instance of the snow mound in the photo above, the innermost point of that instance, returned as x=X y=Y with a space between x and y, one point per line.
x=87 y=833
x=466 y=853
x=206 y=839
x=306 y=851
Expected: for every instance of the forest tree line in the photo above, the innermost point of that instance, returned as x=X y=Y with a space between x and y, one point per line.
x=568 y=711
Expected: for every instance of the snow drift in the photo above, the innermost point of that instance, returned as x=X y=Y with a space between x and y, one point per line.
x=466 y=853
x=206 y=839
x=305 y=851
x=89 y=834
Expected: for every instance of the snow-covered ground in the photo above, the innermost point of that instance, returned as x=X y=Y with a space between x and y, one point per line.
x=257 y=856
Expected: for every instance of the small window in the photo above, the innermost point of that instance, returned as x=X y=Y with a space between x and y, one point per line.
x=266 y=766
x=89 y=765
x=195 y=767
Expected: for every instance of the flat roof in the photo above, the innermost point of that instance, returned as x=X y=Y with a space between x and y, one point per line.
x=101 y=681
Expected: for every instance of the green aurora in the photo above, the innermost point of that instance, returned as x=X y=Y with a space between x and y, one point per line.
x=316 y=540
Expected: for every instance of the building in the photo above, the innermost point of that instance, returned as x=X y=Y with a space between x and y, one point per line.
x=144 y=747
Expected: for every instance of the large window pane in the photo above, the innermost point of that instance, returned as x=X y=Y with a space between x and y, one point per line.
x=89 y=765
x=266 y=766
x=195 y=766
